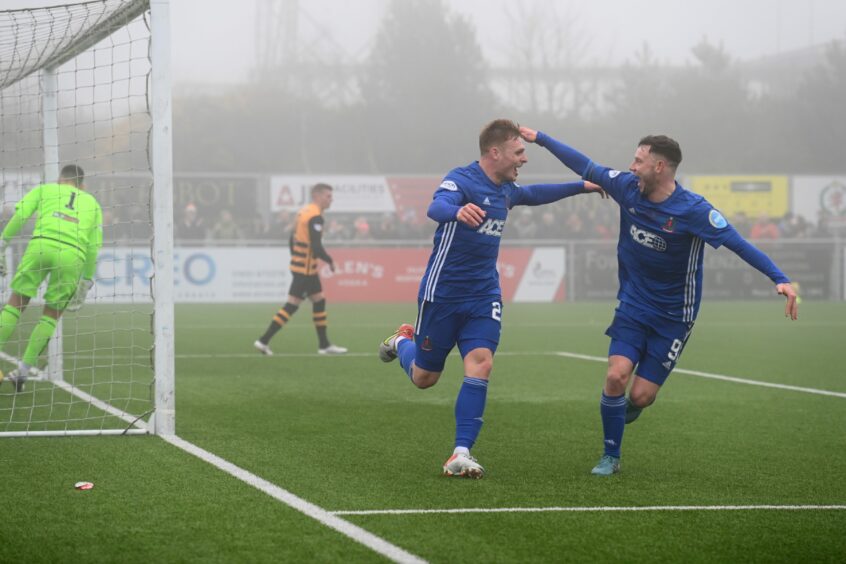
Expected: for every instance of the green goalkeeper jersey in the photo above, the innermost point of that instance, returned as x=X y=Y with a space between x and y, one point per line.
x=66 y=215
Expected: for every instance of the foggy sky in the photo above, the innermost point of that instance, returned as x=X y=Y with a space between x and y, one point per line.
x=214 y=40
x=222 y=47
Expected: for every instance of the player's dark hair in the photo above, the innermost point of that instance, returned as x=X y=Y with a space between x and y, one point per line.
x=665 y=147
x=496 y=133
x=320 y=187
x=73 y=173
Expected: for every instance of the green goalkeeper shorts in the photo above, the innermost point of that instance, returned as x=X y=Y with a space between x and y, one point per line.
x=62 y=263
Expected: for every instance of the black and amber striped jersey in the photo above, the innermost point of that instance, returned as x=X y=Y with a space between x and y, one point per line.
x=306 y=241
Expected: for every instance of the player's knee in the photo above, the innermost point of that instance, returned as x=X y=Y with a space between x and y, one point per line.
x=642 y=397
x=478 y=364
x=617 y=378
x=424 y=379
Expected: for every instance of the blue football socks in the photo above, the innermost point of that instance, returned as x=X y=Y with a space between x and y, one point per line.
x=405 y=353
x=469 y=408
x=613 y=412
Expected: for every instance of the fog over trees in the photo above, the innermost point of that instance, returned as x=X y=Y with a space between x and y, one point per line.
x=416 y=101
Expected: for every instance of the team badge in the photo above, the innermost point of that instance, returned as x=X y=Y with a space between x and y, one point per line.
x=716 y=219
x=427 y=344
x=668 y=227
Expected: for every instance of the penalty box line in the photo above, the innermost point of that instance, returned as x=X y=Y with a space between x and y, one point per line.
x=595 y=509
x=354 y=532
x=722 y=377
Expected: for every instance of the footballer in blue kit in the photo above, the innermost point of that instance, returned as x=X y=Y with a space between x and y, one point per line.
x=663 y=231
x=460 y=300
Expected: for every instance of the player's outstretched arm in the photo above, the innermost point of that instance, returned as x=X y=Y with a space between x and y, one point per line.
x=791 y=310
x=572 y=159
x=591 y=187
x=764 y=264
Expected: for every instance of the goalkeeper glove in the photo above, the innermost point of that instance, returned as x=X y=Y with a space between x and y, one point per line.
x=75 y=303
x=3 y=269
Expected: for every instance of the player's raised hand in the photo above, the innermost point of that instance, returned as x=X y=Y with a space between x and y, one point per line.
x=591 y=187
x=528 y=134
x=470 y=214
x=791 y=310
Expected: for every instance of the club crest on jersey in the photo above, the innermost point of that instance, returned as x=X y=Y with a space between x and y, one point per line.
x=668 y=226
x=648 y=239
x=492 y=227
x=449 y=185
x=717 y=220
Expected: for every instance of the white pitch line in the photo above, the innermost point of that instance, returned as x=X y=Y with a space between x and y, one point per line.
x=595 y=509
x=722 y=377
x=356 y=533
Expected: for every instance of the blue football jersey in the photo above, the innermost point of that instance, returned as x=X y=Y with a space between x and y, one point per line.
x=660 y=249
x=463 y=261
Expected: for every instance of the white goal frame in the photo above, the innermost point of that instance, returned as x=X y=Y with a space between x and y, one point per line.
x=162 y=419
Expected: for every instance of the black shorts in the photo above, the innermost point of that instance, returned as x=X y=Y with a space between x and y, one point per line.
x=303 y=285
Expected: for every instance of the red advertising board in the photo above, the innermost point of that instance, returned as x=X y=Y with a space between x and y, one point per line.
x=393 y=275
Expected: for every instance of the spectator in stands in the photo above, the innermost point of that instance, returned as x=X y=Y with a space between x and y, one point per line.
x=280 y=226
x=257 y=228
x=551 y=226
x=361 y=229
x=794 y=226
x=741 y=223
x=191 y=227
x=337 y=230
x=226 y=227
x=574 y=227
x=112 y=226
x=386 y=228
x=822 y=230
x=764 y=228
x=599 y=225
x=524 y=226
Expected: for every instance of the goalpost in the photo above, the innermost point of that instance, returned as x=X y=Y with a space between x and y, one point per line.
x=88 y=83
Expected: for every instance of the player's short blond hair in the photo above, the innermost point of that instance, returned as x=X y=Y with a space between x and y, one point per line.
x=496 y=133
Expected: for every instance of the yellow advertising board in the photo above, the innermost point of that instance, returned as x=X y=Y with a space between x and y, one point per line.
x=753 y=195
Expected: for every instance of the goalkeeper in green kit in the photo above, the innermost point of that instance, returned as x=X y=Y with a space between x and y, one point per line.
x=64 y=245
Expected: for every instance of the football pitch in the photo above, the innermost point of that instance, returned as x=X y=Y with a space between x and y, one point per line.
x=742 y=458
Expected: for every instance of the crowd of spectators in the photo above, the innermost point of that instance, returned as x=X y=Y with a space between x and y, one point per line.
x=567 y=220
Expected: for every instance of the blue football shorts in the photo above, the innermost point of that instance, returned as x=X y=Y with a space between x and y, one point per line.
x=440 y=326
x=653 y=343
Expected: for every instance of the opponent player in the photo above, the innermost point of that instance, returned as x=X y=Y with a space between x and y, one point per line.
x=306 y=244
x=660 y=252
x=64 y=245
x=460 y=301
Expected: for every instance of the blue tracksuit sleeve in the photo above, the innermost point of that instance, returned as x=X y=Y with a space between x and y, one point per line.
x=754 y=257
x=538 y=194
x=574 y=160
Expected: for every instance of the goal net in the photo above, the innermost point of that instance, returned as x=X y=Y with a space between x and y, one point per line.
x=88 y=84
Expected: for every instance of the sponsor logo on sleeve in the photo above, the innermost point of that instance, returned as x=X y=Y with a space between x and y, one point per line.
x=449 y=185
x=717 y=220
